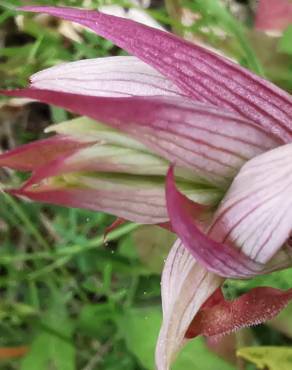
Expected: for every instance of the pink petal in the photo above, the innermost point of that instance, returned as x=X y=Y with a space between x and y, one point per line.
x=273 y=15
x=198 y=72
x=110 y=76
x=137 y=200
x=253 y=308
x=185 y=286
x=103 y=158
x=93 y=131
x=219 y=258
x=32 y=156
x=256 y=213
x=214 y=144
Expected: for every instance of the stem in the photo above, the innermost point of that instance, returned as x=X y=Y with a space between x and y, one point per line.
x=25 y=220
x=72 y=250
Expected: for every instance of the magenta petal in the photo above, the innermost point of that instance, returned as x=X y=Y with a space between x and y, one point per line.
x=198 y=72
x=215 y=144
x=34 y=155
x=115 y=160
x=253 y=308
x=222 y=259
x=142 y=204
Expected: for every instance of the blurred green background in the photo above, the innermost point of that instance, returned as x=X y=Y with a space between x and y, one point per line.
x=68 y=300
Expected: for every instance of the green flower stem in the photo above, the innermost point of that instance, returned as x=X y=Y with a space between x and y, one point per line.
x=73 y=250
x=26 y=221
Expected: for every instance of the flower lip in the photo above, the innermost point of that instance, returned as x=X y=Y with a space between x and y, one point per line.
x=252 y=308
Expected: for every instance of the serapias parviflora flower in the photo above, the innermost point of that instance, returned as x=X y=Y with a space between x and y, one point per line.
x=173 y=105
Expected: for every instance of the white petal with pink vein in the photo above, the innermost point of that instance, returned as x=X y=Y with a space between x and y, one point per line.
x=109 y=76
x=256 y=214
x=185 y=286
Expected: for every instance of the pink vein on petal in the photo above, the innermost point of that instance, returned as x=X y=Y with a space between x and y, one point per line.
x=174 y=128
x=219 y=258
x=198 y=72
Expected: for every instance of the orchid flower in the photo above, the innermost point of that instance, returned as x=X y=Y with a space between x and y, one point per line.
x=175 y=135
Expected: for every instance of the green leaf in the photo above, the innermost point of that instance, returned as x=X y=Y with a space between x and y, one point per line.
x=268 y=357
x=140 y=327
x=58 y=114
x=53 y=347
x=94 y=317
x=278 y=279
x=285 y=43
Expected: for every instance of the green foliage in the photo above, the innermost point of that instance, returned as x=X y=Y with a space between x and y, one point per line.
x=59 y=348
x=279 y=279
x=194 y=356
x=44 y=47
x=232 y=32
x=215 y=14
x=270 y=358
x=285 y=44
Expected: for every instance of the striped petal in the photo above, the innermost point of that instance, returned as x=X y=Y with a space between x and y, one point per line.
x=108 y=158
x=93 y=131
x=198 y=72
x=132 y=198
x=135 y=198
x=256 y=213
x=222 y=259
x=111 y=76
x=111 y=151
x=32 y=156
x=185 y=286
x=214 y=144
x=68 y=170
